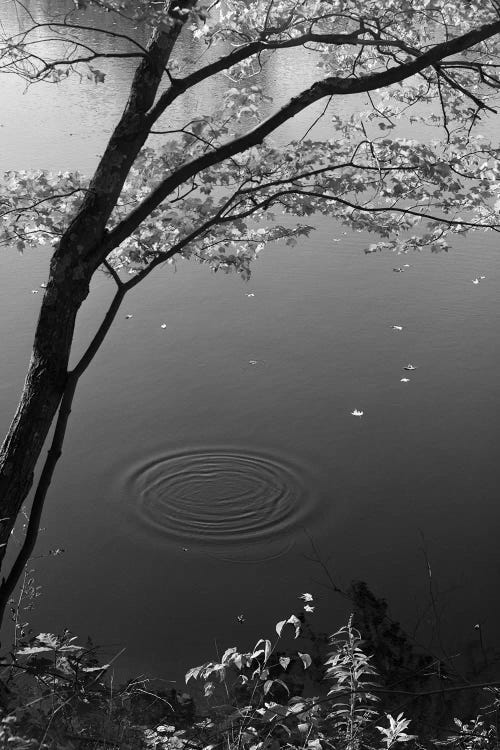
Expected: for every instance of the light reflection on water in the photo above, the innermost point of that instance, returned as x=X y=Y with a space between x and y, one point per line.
x=420 y=464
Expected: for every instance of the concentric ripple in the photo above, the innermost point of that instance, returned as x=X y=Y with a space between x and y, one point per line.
x=218 y=497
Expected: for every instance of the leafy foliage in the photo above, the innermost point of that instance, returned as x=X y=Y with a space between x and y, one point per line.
x=55 y=694
x=352 y=676
x=411 y=194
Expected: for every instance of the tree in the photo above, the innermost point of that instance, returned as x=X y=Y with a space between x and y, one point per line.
x=209 y=189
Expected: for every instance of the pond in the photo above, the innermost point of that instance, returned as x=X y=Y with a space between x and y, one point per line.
x=213 y=469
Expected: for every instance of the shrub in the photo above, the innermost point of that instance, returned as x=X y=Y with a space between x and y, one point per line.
x=56 y=694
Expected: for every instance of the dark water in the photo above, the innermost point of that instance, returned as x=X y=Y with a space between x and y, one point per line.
x=209 y=461
x=218 y=498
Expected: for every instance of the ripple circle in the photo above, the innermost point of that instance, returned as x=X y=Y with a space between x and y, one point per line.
x=218 y=497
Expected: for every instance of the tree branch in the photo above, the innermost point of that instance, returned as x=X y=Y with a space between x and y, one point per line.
x=367 y=209
x=327 y=87
x=180 y=85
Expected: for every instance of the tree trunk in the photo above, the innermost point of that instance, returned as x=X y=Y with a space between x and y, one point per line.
x=81 y=250
x=41 y=395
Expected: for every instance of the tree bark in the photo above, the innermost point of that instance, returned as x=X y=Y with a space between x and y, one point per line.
x=40 y=398
x=81 y=250
x=55 y=451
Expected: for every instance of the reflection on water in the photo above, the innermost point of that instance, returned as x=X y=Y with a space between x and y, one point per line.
x=219 y=498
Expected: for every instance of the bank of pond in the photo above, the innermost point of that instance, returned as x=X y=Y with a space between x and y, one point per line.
x=367 y=685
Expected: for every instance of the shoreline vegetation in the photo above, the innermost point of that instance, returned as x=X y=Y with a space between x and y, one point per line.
x=366 y=686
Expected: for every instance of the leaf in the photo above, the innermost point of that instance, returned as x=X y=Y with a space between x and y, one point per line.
x=193 y=673
x=240 y=661
x=280 y=625
x=48 y=639
x=102 y=668
x=209 y=689
x=267 y=686
x=98 y=76
x=283 y=709
x=292 y=620
x=306 y=660
x=267 y=650
x=32 y=650
x=227 y=654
